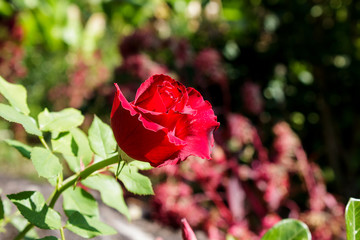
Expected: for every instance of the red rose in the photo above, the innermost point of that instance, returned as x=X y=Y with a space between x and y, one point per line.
x=165 y=124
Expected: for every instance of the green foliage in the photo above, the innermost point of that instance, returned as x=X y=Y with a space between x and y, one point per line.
x=1 y=208
x=32 y=206
x=46 y=163
x=20 y=223
x=134 y=181
x=15 y=94
x=17 y=221
x=4 y=212
x=352 y=218
x=83 y=213
x=23 y=149
x=110 y=190
x=77 y=149
x=81 y=146
x=271 y=36
x=74 y=146
x=140 y=165
x=62 y=143
x=11 y=115
x=78 y=200
x=101 y=138
x=60 y=121
x=48 y=238
x=88 y=227
x=5 y=8
x=288 y=229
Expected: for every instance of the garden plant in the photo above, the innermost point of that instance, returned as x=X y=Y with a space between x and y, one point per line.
x=165 y=124
x=232 y=118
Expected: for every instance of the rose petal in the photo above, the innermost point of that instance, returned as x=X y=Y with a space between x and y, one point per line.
x=167 y=120
x=139 y=138
x=197 y=129
x=148 y=95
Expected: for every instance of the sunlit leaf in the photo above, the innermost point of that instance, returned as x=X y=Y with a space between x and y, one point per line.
x=78 y=200
x=88 y=227
x=82 y=146
x=32 y=206
x=10 y=114
x=352 y=218
x=110 y=190
x=140 y=165
x=135 y=182
x=65 y=144
x=60 y=121
x=62 y=143
x=75 y=148
x=24 y=149
x=101 y=138
x=288 y=229
x=15 y=94
x=46 y=163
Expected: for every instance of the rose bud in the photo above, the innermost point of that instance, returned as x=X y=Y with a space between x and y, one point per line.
x=187 y=232
x=165 y=124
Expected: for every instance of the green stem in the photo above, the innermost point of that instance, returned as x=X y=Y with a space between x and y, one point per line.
x=83 y=174
x=62 y=233
x=21 y=235
x=42 y=140
x=69 y=182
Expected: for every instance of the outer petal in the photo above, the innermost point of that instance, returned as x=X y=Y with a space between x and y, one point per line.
x=197 y=129
x=139 y=138
x=168 y=120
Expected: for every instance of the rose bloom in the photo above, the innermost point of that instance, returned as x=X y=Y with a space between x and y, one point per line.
x=165 y=124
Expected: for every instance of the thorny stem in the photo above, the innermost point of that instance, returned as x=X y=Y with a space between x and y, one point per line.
x=69 y=182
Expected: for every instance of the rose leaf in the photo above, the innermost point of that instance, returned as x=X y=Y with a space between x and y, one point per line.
x=101 y=138
x=352 y=212
x=46 y=163
x=288 y=229
x=135 y=182
x=62 y=121
x=88 y=227
x=32 y=206
x=10 y=114
x=15 y=94
x=110 y=191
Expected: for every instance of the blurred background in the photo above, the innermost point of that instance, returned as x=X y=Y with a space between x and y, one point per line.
x=282 y=77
